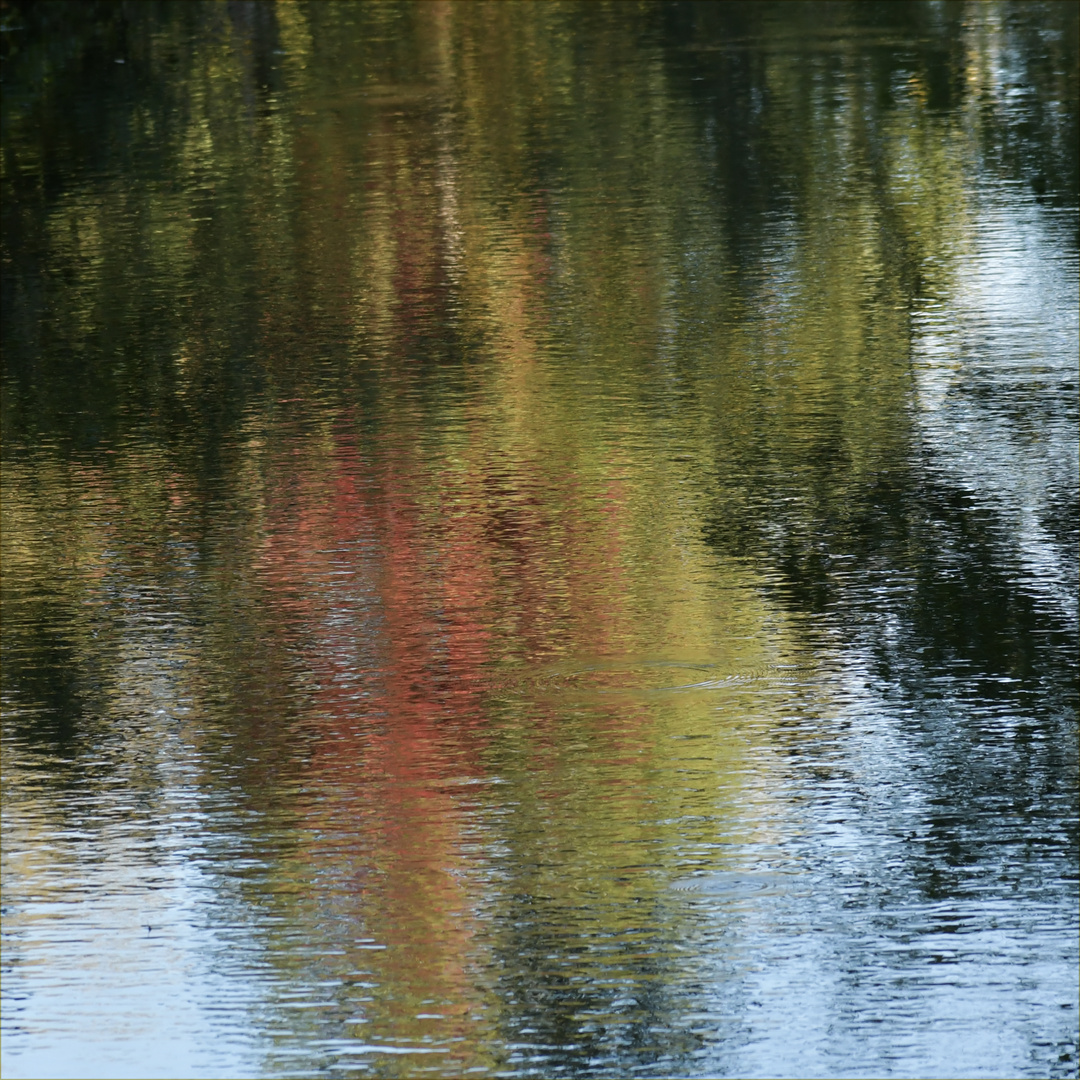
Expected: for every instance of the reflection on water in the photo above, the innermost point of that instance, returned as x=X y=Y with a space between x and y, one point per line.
x=540 y=539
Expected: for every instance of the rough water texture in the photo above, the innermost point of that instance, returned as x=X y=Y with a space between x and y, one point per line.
x=540 y=540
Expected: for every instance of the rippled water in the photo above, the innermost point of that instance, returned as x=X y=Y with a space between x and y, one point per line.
x=540 y=540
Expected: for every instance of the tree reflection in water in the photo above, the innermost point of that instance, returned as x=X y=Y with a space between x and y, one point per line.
x=540 y=539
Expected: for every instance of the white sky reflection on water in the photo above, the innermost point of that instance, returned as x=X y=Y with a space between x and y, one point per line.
x=997 y=377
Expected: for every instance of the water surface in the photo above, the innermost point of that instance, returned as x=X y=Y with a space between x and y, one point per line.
x=540 y=540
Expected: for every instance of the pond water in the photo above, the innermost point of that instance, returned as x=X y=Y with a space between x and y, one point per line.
x=540 y=540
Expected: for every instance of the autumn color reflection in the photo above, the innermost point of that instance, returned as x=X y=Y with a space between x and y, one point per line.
x=536 y=536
